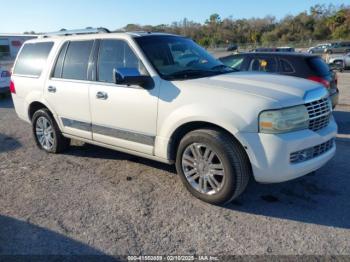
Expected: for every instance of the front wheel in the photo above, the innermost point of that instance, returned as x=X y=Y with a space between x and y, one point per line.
x=213 y=166
x=47 y=134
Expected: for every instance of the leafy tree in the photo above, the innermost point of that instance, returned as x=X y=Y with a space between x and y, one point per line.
x=320 y=23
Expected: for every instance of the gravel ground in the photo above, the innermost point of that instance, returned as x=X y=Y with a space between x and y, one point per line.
x=92 y=200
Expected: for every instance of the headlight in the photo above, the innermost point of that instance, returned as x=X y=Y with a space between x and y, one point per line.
x=284 y=120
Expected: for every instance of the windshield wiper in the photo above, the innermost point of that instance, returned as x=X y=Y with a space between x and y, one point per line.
x=189 y=73
x=222 y=66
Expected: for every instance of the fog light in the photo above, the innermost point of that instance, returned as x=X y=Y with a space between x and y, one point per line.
x=312 y=152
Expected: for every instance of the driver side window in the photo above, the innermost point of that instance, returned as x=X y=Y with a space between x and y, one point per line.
x=116 y=54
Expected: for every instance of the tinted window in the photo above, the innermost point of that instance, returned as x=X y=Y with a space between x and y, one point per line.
x=59 y=64
x=115 y=54
x=32 y=59
x=233 y=61
x=319 y=67
x=77 y=59
x=286 y=66
x=263 y=64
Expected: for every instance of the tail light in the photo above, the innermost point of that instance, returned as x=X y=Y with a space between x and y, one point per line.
x=318 y=79
x=12 y=87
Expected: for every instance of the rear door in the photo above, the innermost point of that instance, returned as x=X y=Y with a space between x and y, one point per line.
x=67 y=91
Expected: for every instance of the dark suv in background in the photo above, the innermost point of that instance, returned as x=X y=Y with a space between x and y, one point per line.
x=302 y=65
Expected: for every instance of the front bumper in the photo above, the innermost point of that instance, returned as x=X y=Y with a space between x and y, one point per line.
x=270 y=154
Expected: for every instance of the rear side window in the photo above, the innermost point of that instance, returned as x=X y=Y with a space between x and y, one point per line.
x=76 y=61
x=32 y=59
x=59 y=63
x=286 y=66
x=318 y=66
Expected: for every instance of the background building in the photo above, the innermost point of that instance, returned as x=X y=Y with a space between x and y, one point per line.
x=10 y=45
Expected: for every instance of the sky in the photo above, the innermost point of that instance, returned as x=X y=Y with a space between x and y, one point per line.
x=18 y=16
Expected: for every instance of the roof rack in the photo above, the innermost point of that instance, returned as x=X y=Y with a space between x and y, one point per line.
x=77 y=32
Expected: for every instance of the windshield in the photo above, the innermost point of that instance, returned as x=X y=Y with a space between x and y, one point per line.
x=177 y=57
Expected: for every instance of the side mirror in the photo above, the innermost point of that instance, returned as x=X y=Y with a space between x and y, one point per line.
x=132 y=76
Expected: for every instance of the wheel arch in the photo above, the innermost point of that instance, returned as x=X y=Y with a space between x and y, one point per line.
x=33 y=107
x=36 y=105
x=185 y=128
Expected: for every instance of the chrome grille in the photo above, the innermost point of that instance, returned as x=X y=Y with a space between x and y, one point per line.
x=312 y=152
x=319 y=113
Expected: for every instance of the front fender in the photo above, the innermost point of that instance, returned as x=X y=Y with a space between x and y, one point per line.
x=221 y=117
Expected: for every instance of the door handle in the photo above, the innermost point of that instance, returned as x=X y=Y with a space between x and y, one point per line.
x=102 y=95
x=51 y=89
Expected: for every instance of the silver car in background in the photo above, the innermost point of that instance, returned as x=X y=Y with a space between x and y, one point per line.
x=318 y=49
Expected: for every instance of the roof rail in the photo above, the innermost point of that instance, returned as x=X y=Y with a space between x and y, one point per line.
x=77 y=32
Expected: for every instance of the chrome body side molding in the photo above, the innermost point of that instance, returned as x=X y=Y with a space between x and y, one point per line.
x=112 y=132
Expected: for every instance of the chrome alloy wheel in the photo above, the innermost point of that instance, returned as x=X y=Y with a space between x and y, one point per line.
x=203 y=168
x=44 y=133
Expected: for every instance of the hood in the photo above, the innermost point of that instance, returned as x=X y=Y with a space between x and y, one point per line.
x=283 y=89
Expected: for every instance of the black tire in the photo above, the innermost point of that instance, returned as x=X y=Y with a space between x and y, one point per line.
x=60 y=143
x=234 y=160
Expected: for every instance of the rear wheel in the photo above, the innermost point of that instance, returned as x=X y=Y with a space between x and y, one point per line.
x=46 y=133
x=213 y=166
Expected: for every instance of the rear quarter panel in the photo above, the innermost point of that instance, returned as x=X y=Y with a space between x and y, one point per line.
x=29 y=89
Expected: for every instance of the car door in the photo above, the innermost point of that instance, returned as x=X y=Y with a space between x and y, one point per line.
x=67 y=91
x=122 y=116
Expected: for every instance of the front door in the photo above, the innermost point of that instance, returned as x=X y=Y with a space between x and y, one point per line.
x=122 y=116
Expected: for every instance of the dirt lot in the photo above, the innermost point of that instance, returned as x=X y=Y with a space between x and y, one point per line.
x=96 y=201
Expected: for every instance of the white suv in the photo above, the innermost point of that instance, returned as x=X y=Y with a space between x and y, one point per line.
x=165 y=98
